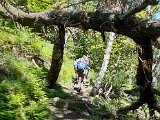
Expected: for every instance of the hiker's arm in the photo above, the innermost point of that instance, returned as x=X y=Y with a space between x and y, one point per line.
x=89 y=68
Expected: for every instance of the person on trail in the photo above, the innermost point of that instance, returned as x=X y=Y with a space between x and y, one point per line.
x=87 y=68
x=81 y=67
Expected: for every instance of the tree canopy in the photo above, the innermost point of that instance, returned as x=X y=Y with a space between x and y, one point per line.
x=124 y=24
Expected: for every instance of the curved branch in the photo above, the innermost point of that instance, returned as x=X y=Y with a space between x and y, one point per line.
x=131 y=27
x=142 y=7
x=30 y=19
x=57 y=17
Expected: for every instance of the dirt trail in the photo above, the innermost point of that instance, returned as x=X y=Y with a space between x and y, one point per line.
x=77 y=107
x=67 y=109
x=83 y=95
x=60 y=114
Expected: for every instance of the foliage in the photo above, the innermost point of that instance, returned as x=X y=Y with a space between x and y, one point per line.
x=67 y=71
x=18 y=2
x=22 y=90
x=90 y=43
x=85 y=6
x=39 y=5
x=156 y=9
x=22 y=85
x=123 y=61
x=23 y=41
x=143 y=14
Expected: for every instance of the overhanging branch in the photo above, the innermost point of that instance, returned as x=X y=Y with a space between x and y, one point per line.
x=108 y=22
x=142 y=7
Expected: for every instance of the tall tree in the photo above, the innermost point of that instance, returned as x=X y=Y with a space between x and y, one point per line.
x=57 y=56
x=143 y=32
x=103 y=69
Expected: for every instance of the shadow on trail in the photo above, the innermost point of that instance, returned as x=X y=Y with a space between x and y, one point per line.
x=70 y=104
x=59 y=91
x=65 y=105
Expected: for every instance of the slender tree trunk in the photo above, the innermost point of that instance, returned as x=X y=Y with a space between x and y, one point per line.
x=57 y=56
x=103 y=69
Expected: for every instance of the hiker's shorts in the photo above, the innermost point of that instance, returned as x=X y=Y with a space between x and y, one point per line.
x=85 y=72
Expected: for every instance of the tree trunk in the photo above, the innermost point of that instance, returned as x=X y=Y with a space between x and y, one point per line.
x=57 y=56
x=144 y=78
x=144 y=75
x=103 y=69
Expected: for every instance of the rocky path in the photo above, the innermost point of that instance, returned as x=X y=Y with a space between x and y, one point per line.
x=72 y=108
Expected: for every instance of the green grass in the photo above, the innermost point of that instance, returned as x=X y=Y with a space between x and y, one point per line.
x=22 y=91
x=67 y=71
x=22 y=85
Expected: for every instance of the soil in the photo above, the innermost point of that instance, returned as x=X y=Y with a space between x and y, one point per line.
x=67 y=110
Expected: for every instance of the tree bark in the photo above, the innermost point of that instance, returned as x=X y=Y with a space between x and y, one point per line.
x=144 y=74
x=57 y=56
x=103 y=69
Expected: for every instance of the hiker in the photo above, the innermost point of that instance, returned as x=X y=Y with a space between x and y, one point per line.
x=87 y=68
x=81 y=66
x=78 y=64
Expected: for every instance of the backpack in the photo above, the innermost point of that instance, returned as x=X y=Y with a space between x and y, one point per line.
x=81 y=65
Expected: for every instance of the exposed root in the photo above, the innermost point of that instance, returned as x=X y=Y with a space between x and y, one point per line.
x=125 y=110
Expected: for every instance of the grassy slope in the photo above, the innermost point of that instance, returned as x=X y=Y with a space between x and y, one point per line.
x=22 y=84
x=67 y=71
